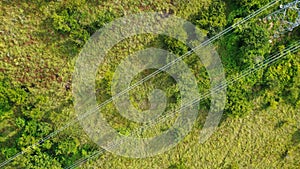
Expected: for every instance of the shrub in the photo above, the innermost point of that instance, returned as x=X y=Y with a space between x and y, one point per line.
x=9 y=152
x=69 y=20
x=10 y=96
x=213 y=18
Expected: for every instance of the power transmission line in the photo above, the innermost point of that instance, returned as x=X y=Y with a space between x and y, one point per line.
x=293 y=48
x=205 y=43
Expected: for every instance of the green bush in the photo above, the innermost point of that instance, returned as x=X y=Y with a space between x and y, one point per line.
x=9 y=152
x=174 y=45
x=282 y=79
x=20 y=122
x=69 y=20
x=10 y=95
x=238 y=103
x=243 y=8
x=246 y=46
x=213 y=18
x=33 y=131
x=39 y=159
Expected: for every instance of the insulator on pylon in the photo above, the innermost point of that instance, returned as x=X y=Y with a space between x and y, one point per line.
x=290 y=28
x=269 y=18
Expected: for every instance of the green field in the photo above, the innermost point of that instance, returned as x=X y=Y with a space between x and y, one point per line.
x=40 y=42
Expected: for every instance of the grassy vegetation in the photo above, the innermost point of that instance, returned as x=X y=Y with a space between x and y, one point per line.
x=40 y=42
x=260 y=140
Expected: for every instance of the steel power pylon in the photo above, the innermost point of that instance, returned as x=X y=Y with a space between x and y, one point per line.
x=286 y=24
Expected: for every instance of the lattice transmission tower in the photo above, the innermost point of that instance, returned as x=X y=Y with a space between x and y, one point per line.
x=287 y=18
